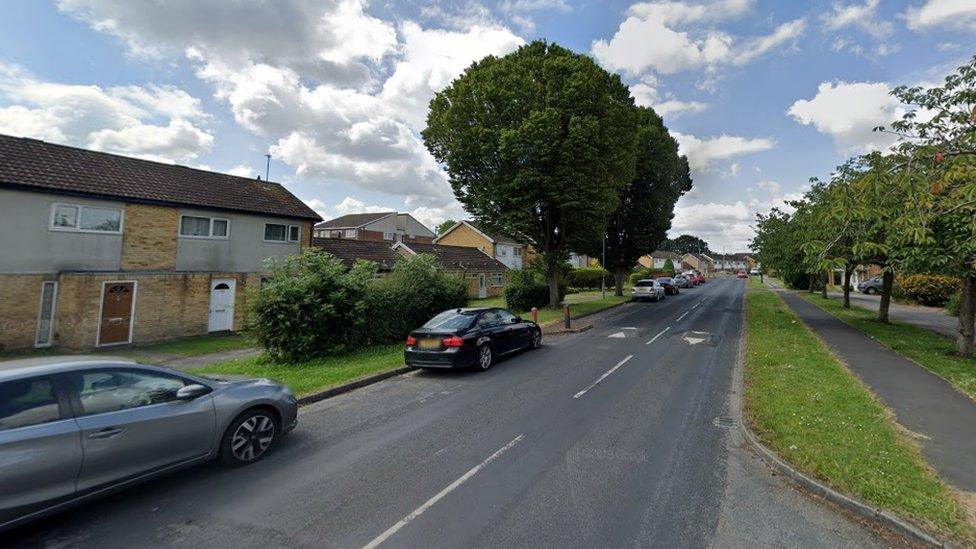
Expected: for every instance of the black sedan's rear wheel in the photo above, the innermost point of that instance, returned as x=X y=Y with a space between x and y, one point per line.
x=485 y=357
x=248 y=437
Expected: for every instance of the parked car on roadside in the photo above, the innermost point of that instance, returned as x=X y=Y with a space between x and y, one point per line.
x=75 y=428
x=647 y=289
x=754 y=271
x=870 y=286
x=475 y=337
x=683 y=281
x=670 y=288
x=742 y=274
x=693 y=277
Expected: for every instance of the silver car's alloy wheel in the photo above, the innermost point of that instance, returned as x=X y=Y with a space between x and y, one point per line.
x=252 y=439
x=484 y=357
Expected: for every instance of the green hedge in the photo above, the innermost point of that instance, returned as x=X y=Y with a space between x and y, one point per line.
x=931 y=290
x=312 y=305
x=588 y=278
x=526 y=289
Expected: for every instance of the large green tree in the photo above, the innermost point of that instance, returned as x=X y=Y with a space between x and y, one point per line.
x=445 y=225
x=642 y=219
x=537 y=145
x=686 y=243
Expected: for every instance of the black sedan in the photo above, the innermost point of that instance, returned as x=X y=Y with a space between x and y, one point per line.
x=462 y=338
x=670 y=288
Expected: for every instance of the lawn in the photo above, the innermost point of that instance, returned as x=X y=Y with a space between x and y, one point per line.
x=929 y=349
x=314 y=375
x=806 y=406
x=202 y=345
x=579 y=304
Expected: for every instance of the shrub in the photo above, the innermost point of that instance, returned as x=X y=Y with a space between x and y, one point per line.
x=526 y=289
x=415 y=291
x=796 y=278
x=588 y=278
x=310 y=306
x=931 y=290
x=640 y=274
x=952 y=306
x=669 y=268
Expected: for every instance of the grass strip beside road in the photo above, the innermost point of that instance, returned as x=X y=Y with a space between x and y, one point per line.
x=202 y=345
x=579 y=304
x=315 y=375
x=931 y=350
x=806 y=406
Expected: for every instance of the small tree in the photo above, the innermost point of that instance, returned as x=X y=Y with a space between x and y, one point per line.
x=669 y=267
x=445 y=226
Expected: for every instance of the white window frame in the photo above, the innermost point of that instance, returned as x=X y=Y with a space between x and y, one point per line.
x=179 y=228
x=132 y=312
x=54 y=208
x=501 y=280
x=54 y=312
x=287 y=239
x=345 y=233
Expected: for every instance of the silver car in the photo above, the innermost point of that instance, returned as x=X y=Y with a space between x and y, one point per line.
x=74 y=428
x=647 y=289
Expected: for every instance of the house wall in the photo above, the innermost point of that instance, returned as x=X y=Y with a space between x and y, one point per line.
x=415 y=229
x=468 y=237
x=472 y=279
x=29 y=246
x=506 y=254
x=245 y=250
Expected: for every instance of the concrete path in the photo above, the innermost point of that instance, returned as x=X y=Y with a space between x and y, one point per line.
x=923 y=402
x=606 y=438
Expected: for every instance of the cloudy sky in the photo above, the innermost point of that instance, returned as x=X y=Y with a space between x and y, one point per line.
x=761 y=94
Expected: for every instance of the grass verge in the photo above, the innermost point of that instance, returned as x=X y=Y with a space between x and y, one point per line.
x=929 y=349
x=314 y=375
x=195 y=346
x=805 y=405
x=579 y=304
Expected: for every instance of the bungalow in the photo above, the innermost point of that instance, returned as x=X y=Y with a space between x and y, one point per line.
x=485 y=276
x=658 y=259
x=383 y=226
x=100 y=249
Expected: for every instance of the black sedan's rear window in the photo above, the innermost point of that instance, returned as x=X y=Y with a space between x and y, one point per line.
x=450 y=320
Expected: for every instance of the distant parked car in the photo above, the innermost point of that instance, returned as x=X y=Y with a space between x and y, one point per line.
x=670 y=288
x=683 y=281
x=870 y=286
x=754 y=271
x=462 y=338
x=742 y=274
x=647 y=289
x=74 y=428
x=695 y=277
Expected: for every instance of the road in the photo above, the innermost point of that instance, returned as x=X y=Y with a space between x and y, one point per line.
x=611 y=437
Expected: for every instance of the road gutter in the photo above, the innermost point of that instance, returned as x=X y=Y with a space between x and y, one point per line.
x=352 y=385
x=737 y=406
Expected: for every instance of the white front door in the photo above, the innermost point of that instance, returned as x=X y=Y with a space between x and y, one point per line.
x=222 y=305
x=482 y=286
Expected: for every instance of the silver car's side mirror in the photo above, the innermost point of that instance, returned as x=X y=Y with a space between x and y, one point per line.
x=191 y=392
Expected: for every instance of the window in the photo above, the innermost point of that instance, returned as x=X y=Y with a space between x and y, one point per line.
x=505 y=317
x=103 y=391
x=450 y=320
x=27 y=402
x=496 y=279
x=276 y=232
x=335 y=234
x=89 y=219
x=350 y=233
x=489 y=319
x=203 y=227
x=387 y=236
x=502 y=251
x=45 y=315
x=517 y=251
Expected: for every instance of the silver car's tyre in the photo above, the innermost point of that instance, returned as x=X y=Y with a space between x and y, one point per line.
x=248 y=438
x=870 y=291
x=485 y=357
x=536 y=339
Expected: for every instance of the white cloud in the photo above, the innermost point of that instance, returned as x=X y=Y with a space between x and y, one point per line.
x=770 y=187
x=242 y=170
x=646 y=95
x=862 y=16
x=727 y=226
x=670 y=37
x=151 y=122
x=949 y=14
x=350 y=205
x=319 y=206
x=848 y=112
x=518 y=11
x=703 y=152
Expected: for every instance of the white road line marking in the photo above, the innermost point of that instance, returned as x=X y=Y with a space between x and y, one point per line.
x=440 y=495
x=682 y=316
x=653 y=339
x=604 y=376
x=697 y=304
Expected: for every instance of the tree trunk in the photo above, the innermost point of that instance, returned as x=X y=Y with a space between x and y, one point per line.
x=823 y=289
x=848 y=270
x=618 y=280
x=553 y=274
x=967 y=312
x=812 y=285
x=887 y=284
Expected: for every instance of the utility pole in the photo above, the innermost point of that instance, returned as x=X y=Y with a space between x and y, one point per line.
x=267 y=167
x=603 y=267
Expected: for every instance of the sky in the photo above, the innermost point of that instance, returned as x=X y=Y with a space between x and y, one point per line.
x=761 y=95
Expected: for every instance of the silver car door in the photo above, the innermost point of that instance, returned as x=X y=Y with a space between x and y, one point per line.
x=40 y=450
x=132 y=423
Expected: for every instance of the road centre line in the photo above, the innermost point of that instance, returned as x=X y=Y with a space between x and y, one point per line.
x=604 y=376
x=684 y=314
x=661 y=333
x=440 y=495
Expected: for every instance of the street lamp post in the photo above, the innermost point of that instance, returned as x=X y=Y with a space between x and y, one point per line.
x=603 y=269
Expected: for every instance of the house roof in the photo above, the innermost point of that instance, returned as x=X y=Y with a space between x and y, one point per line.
x=494 y=237
x=738 y=256
x=699 y=257
x=454 y=258
x=349 y=251
x=36 y=165
x=662 y=254
x=353 y=221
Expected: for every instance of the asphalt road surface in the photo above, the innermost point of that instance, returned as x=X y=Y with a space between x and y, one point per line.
x=612 y=437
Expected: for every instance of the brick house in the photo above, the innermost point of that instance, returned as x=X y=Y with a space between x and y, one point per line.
x=484 y=275
x=658 y=259
x=734 y=262
x=509 y=251
x=699 y=262
x=100 y=249
x=382 y=226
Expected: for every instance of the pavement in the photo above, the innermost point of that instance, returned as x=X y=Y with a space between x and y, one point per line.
x=617 y=436
x=930 y=318
x=940 y=417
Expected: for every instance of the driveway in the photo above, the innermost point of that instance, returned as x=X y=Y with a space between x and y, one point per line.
x=609 y=438
x=930 y=318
